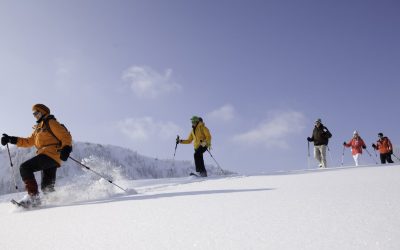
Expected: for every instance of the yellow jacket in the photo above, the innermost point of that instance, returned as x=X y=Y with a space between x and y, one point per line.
x=45 y=142
x=199 y=134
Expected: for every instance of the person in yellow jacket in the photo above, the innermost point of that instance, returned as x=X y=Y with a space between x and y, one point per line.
x=201 y=137
x=53 y=143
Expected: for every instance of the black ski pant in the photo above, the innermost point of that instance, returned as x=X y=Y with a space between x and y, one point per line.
x=43 y=163
x=198 y=159
x=386 y=158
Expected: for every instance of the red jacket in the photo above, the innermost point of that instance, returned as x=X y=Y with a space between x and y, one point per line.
x=356 y=144
x=384 y=145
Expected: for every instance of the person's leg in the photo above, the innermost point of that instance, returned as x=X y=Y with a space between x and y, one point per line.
x=383 y=158
x=389 y=158
x=355 y=157
x=35 y=164
x=48 y=179
x=323 y=156
x=199 y=160
x=317 y=155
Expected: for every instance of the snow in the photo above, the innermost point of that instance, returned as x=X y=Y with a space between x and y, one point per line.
x=341 y=208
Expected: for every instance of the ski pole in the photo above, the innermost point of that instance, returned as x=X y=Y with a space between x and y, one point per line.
x=308 y=156
x=222 y=171
x=12 y=167
x=371 y=156
x=396 y=157
x=330 y=155
x=176 y=145
x=344 y=147
x=83 y=165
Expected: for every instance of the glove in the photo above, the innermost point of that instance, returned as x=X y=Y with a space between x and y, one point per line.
x=8 y=139
x=364 y=147
x=373 y=145
x=391 y=152
x=177 y=140
x=64 y=153
x=344 y=143
x=309 y=139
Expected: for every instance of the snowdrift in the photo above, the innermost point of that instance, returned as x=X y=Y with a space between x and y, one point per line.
x=344 y=208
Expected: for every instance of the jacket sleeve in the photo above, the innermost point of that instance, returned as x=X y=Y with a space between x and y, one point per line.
x=348 y=144
x=188 y=140
x=62 y=134
x=363 y=143
x=327 y=133
x=207 y=135
x=390 y=145
x=26 y=142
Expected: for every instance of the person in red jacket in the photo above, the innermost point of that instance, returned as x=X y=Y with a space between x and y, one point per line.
x=385 y=148
x=357 y=145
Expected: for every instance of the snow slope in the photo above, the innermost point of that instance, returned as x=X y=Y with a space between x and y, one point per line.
x=347 y=208
x=112 y=161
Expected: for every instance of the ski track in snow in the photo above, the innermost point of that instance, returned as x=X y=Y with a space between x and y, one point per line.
x=341 y=208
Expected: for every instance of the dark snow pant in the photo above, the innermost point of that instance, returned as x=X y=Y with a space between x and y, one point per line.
x=43 y=163
x=386 y=158
x=198 y=159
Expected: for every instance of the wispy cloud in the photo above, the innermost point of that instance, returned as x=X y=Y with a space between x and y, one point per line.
x=145 y=128
x=276 y=132
x=224 y=113
x=147 y=83
x=65 y=69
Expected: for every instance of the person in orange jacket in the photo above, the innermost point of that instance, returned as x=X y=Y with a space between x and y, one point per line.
x=385 y=148
x=201 y=137
x=357 y=145
x=53 y=143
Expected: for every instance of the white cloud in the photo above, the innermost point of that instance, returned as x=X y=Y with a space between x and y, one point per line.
x=64 y=71
x=224 y=113
x=276 y=132
x=146 y=128
x=148 y=83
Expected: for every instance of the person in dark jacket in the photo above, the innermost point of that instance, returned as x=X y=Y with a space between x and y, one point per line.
x=320 y=137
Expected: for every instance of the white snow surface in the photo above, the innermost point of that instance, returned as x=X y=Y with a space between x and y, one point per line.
x=342 y=208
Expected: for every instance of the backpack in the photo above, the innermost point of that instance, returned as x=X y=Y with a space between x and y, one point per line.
x=46 y=122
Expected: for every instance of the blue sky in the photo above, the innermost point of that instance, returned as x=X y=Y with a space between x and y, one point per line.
x=132 y=73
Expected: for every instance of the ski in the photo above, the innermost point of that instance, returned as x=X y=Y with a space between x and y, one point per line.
x=18 y=204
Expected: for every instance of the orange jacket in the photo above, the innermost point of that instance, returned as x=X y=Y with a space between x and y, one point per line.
x=384 y=145
x=356 y=144
x=199 y=134
x=45 y=142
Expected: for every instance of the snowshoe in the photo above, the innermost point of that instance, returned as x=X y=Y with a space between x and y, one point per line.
x=28 y=201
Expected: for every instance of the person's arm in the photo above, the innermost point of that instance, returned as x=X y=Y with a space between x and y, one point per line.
x=188 y=140
x=26 y=142
x=327 y=132
x=208 y=136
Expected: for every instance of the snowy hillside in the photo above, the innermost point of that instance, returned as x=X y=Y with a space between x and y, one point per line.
x=345 y=208
x=112 y=161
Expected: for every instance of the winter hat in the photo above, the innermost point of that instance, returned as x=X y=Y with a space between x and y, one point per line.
x=380 y=134
x=355 y=132
x=41 y=108
x=318 y=120
x=195 y=118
